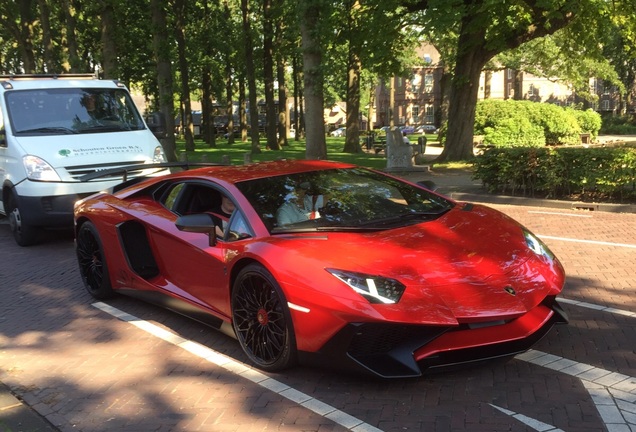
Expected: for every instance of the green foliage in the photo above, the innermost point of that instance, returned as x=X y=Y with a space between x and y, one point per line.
x=514 y=123
x=557 y=172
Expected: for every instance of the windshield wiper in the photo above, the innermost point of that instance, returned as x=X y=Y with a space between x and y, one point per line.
x=405 y=217
x=56 y=129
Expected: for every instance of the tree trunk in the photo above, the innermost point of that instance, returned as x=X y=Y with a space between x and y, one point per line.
x=283 y=121
x=283 y=118
x=229 y=104
x=463 y=102
x=208 y=130
x=74 y=63
x=50 y=62
x=352 y=142
x=242 y=109
x=251 y=76
x=313 y=80
x=471 y=58
x=108 y=40
x=188 y=124
x=268 y=76
x=161 y=47
x=371 y=111
x=24 y=36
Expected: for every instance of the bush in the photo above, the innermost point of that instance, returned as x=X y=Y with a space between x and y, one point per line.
x=513 y=123
x=560 y=172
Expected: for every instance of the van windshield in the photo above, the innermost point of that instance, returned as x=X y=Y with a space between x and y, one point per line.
x=71 y=111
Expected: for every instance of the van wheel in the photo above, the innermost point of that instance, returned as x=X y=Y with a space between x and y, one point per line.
x=24 y=234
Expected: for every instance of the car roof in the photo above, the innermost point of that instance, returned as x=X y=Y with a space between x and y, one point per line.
x=239 y=173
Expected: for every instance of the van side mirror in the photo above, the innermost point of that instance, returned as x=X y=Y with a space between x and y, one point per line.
x=157 y=124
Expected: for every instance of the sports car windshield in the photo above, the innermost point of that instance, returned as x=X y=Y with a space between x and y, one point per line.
x=352 y=199
x=69 y=111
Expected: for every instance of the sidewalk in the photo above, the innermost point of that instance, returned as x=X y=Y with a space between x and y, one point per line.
x=459 y=185
x=16 y=416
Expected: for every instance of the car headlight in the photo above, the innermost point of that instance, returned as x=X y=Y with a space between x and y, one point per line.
x=376 y=289
x=39 y=170
x=537 y=246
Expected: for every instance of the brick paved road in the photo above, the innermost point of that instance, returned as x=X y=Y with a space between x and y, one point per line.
x=87 y=371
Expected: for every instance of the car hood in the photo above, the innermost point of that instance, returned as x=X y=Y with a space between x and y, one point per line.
x=472 y=263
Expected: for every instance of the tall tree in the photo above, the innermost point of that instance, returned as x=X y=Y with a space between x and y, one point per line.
x=162 y=51
x=268 y=76
x=310 y=17
x=250 y=74
x=484 y=29
x=181 y=18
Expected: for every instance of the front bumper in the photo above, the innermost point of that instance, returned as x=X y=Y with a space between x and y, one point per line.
x=390 y=350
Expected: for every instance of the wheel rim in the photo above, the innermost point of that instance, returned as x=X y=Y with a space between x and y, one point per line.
x=15 y=220
x=90 y=259
x=259 y=319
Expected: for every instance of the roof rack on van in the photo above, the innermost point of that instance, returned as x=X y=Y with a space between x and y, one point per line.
x=50 y=76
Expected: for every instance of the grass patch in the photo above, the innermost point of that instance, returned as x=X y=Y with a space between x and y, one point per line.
x=236 y=152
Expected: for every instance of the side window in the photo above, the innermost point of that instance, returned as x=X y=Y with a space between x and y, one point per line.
x=238 y=229
x=170 y=199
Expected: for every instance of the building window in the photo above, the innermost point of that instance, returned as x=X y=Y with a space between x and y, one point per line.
x=428 y=83
x=532 y=90
x=510 y=74
x=415 y=83
x=415 y=113
x=605 y=105
x=429 y=117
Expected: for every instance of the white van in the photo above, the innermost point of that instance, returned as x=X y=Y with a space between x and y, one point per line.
x=53 y=130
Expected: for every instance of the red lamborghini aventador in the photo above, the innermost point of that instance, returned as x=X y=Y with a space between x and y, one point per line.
x=324 y=263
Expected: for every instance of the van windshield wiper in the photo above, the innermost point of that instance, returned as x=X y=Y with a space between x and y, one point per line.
x=57 y=130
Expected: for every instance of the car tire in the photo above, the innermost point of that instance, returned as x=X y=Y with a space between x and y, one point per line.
x=262 y=321
x=23 y=233
x=92 y=262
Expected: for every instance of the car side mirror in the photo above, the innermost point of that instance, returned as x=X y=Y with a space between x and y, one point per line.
x=157 y=125
x=198 y=223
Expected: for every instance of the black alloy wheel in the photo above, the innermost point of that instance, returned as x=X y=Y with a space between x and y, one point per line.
x=92 y=262
x=262 y=321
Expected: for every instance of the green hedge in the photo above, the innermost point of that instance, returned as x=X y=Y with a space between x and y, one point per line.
x=511 y=123
x=558 y=172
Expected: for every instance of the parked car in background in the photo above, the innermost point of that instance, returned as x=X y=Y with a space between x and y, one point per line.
x=407 y=129
x=340 y=132
x=424 y=129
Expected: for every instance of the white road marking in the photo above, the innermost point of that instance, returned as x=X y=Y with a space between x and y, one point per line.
x=612 y=310
x=613 y=394
x=561 y=214
x=529 y=421
x=588 y=241
x=243 y=370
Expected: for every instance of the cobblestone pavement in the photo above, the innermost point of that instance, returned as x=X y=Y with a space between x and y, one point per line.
x=128 y=366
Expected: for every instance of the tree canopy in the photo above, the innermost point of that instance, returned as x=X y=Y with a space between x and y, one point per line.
x=313 y=52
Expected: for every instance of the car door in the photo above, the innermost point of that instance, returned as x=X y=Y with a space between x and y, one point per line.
x=192 y=268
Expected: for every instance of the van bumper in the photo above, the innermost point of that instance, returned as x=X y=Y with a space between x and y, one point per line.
x=49 y=211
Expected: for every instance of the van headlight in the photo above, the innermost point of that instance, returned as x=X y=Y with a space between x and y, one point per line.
x=39 y=170
x=159 y=156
